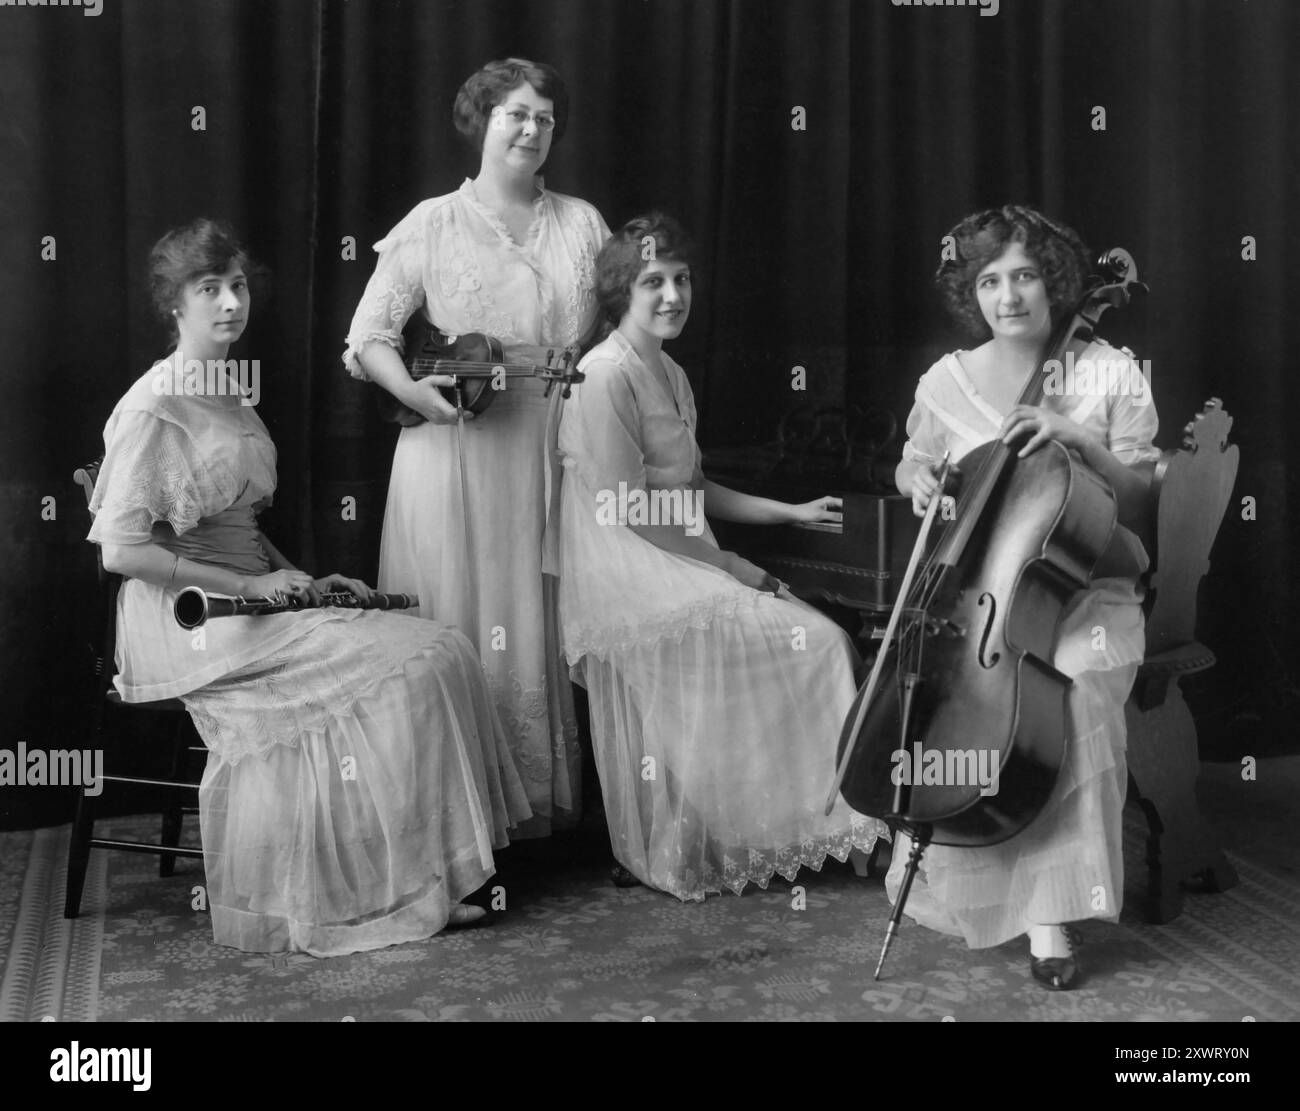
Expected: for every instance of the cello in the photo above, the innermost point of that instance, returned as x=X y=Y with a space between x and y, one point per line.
x=964 y=677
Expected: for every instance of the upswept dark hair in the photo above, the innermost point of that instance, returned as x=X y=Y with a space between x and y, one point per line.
x=1058 y=251
x=622 y=258
x=487 y=88
x=200 y=247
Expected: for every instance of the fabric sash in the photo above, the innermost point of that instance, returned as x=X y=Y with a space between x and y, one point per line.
x=228 y=539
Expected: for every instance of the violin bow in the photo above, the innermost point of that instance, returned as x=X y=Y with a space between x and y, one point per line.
x=903 y=591
x=471 y=570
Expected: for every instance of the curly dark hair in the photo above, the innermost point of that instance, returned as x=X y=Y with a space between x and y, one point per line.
x=983 y=237
x=200 y=247
x=488 y=87
x=622 y=258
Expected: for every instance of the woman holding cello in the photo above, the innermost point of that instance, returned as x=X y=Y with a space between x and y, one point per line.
x=1015 y=274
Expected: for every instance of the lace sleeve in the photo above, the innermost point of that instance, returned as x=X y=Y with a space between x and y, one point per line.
x=610 y=427
x=692 y=417
x=689 y=412
x=1132 y=420
x=923 y=443
x=149 y=474
x=600 y=228
x=394 y=292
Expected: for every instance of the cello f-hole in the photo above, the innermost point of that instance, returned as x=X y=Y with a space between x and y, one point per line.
x=989 y=661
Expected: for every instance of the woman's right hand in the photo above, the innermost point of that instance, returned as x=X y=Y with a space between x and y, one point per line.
x=280 y=584
x=424 y=397
x=925 y=484
x=752 y=575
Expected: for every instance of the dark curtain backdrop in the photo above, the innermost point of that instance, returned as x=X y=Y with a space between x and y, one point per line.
x=328 y=119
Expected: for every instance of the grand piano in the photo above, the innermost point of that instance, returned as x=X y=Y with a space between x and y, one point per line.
x=855 y=566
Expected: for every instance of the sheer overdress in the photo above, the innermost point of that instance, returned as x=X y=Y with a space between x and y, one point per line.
x=1067 y=865
x=715 y=708
x=453 y=259
x=357 y=777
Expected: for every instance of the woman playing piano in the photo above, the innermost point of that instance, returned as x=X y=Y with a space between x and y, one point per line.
x=716 y=698
x=357 y=778
x=1016 y=271
x=506 y=257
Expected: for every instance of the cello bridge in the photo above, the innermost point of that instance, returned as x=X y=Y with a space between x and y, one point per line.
x=935 y=626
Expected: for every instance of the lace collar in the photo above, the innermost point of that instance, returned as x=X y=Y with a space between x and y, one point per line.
x=202 y=385
x=964 y=383
x=672 y=372
x=470 y=195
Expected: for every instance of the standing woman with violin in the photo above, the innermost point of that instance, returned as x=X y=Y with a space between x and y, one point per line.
x=1016 y=272
x=468 y=503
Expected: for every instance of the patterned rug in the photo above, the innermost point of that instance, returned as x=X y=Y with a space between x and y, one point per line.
x=570 y=946
x=52 y=965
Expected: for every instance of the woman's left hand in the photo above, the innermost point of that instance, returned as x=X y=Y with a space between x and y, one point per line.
x=823 y=509
x=1040 y=425
x=332 y=583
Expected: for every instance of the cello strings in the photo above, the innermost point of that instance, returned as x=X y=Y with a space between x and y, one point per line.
x=930 y=581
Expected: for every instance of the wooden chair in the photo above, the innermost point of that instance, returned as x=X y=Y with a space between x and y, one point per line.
x=105 y=699
x=1191 y=491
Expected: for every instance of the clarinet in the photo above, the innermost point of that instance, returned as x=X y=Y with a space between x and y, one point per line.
x=194 y=607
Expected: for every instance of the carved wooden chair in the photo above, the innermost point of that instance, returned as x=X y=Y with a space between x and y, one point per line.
x=1190 y=493
x=105 y=699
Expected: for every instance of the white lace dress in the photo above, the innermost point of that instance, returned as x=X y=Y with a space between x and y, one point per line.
x=454 y=259
x=1068 y=864
x=715 y=709
x=358 y=778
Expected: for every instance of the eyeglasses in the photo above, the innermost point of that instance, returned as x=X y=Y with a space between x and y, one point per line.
x=519 y=118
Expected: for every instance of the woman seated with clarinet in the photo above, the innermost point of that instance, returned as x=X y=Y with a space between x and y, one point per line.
x=357 y=778
x=1014 y=274
x=716 y=696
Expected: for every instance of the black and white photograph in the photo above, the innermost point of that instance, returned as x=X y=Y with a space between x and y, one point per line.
x=745 y=511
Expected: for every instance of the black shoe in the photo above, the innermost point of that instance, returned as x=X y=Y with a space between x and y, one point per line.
x=622 y=877
x=1058 y=973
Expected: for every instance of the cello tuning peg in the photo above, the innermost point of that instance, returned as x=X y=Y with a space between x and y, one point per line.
x=1116 y=263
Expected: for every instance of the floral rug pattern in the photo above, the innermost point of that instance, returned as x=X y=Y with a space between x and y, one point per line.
x=571 y=946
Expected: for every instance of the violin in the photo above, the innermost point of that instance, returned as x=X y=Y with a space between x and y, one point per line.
x=963 y=682
x=480 y=365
